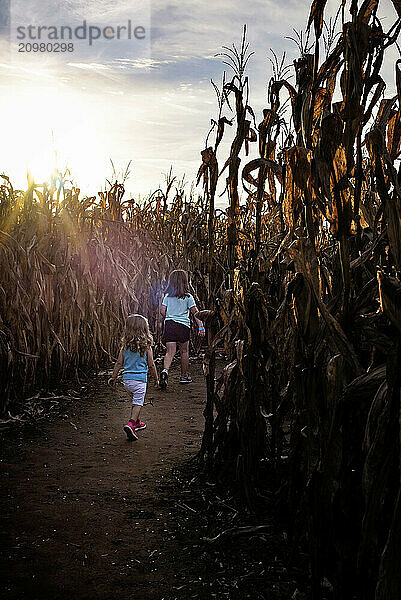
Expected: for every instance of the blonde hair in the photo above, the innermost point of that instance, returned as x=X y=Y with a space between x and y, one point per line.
x=178 y=286
x=137 y=336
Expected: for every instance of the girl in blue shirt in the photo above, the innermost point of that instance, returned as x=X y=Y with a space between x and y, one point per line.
x=175 y=309
x=135 y=357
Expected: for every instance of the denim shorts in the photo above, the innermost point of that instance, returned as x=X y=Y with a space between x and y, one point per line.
x=137 y=389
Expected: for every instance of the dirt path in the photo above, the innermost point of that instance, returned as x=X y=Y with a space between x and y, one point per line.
x=86 y=514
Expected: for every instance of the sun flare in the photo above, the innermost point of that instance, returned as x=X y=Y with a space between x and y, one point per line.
x=46 y=129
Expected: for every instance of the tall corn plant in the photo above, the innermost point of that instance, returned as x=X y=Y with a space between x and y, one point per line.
x=237 y=60
x=315 y=357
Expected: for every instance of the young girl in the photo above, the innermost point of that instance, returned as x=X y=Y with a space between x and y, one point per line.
x=175 y=309
x=135 y=357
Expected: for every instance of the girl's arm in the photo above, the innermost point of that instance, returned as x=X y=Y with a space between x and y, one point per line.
x=117 y=367
x=163 y=310
x=199 y=323
x=152 y=366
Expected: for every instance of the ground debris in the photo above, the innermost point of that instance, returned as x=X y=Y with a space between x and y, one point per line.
x=213 y=566
x=38 y=406
x=233 y=531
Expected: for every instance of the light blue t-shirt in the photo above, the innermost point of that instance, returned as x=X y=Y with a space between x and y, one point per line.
x=178 y=309
x=135 y=366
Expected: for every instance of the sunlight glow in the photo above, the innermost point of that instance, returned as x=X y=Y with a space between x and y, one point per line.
x=45 y=128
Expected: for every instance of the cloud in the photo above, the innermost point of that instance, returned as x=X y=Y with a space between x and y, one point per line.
x=89 y=66
x=153 y=109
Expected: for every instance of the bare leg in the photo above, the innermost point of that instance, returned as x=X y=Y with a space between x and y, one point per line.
x=184 y=351
x=171 y=350
x=135 y=410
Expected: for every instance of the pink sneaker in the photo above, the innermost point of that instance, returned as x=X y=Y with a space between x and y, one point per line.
x=138 y=424
x=130 y=431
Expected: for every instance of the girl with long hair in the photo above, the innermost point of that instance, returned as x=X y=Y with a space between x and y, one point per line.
x=135 y=358
x=177 y=305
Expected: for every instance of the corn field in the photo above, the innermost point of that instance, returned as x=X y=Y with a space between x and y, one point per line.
x=301 y=273
x=71 y=270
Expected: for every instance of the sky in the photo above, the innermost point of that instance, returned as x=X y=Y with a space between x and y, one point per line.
x=145 y=101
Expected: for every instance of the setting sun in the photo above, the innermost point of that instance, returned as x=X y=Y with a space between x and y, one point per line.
x=46 y=129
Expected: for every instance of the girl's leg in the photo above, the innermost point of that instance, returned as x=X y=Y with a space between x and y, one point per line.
x=171 y=350
x=138 y=397
x=138 y=391
x=184 y=351
x=135 y=411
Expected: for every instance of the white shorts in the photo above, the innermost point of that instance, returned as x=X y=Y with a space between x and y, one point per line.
x=137 y=389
